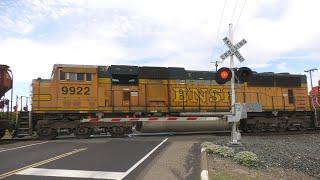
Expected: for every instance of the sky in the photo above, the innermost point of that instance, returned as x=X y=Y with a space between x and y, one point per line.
x=282 y=35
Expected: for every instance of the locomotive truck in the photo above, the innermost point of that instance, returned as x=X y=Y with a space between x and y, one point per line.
x=88 y=99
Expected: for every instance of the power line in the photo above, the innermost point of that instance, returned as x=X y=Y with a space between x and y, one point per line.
x=236 y=25
x=218 y=31
x=234 y=10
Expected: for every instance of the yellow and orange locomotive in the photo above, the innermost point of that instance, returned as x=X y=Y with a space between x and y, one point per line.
x=274 y=101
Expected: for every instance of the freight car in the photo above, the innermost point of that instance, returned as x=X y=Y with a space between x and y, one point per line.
x=76 y=92
x=5 y=86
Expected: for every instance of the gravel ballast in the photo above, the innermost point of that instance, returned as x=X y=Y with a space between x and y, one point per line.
x=298 y=152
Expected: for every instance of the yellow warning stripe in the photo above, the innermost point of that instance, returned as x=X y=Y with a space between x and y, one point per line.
x=41 y=97
x=104 y=80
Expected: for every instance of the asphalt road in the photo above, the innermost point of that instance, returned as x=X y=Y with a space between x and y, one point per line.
x=100 y=158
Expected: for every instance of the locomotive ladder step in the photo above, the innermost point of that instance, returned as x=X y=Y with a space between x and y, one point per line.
x=24 y=117
x=24 y=122
x=23 y=132
x=23 y=129
x=19 y=134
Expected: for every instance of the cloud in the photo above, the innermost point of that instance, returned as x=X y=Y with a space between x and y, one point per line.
x=163 y=33
x=30 y=59
x=23 y=17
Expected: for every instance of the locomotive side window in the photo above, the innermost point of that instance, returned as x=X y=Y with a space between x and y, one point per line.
x=80 y=76
x=62 y=75
x=290 y=96
x=89 y=77
x=72 y=76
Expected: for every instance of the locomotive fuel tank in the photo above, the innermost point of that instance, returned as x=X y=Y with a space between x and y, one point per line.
x=183 y=126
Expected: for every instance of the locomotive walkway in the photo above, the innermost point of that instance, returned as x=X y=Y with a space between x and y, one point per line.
x=138 y=157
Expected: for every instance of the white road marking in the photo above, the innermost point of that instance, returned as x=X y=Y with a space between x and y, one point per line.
x=24 y=146
x=204 y=175
x=40 y=163
x=72 y=173
x=142 y=159
x=84 y=173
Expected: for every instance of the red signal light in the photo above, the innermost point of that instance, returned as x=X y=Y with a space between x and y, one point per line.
x=244 y=74
x=223 y=75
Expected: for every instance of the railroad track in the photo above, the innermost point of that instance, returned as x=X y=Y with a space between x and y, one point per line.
x=220 y=133
x=288 y=132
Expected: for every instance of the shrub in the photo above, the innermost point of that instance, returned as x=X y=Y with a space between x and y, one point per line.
x=247 y=158
x=225 y=151
x=221 y=150
x=213 y=148
x=206 y=144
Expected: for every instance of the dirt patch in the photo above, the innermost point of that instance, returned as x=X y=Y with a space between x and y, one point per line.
x=297 y=152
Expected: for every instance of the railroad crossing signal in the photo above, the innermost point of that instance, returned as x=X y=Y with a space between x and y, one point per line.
x=244 y=74
x=233 y=49
x=224 y=75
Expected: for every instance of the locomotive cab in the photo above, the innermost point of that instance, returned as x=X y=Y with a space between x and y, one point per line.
x=71 y=88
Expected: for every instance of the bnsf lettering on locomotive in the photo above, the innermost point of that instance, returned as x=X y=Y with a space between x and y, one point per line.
x=204 y=94
x=75 y=90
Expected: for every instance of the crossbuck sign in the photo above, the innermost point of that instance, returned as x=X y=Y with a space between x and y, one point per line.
x=233 y=49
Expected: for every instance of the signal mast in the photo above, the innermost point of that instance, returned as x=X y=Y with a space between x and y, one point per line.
x=226 y=74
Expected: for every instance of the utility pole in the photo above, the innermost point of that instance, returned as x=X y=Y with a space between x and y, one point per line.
x=312 y=98
x=216 y=64
x=310 y=73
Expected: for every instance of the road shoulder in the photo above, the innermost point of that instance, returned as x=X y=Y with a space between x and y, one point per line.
x=179 y=160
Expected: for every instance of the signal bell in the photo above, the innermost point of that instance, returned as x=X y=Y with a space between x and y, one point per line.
x=244 y=74
x=223 y=75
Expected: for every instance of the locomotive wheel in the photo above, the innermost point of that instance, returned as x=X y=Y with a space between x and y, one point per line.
x=82 y=133
x=47 y=133
x=2 y=133
x=281 y=128
x=117 y=132
x=302 y=128
x=257 y=128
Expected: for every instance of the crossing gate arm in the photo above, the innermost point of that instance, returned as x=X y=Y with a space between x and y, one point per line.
x=240 y=113
x=150 y=119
